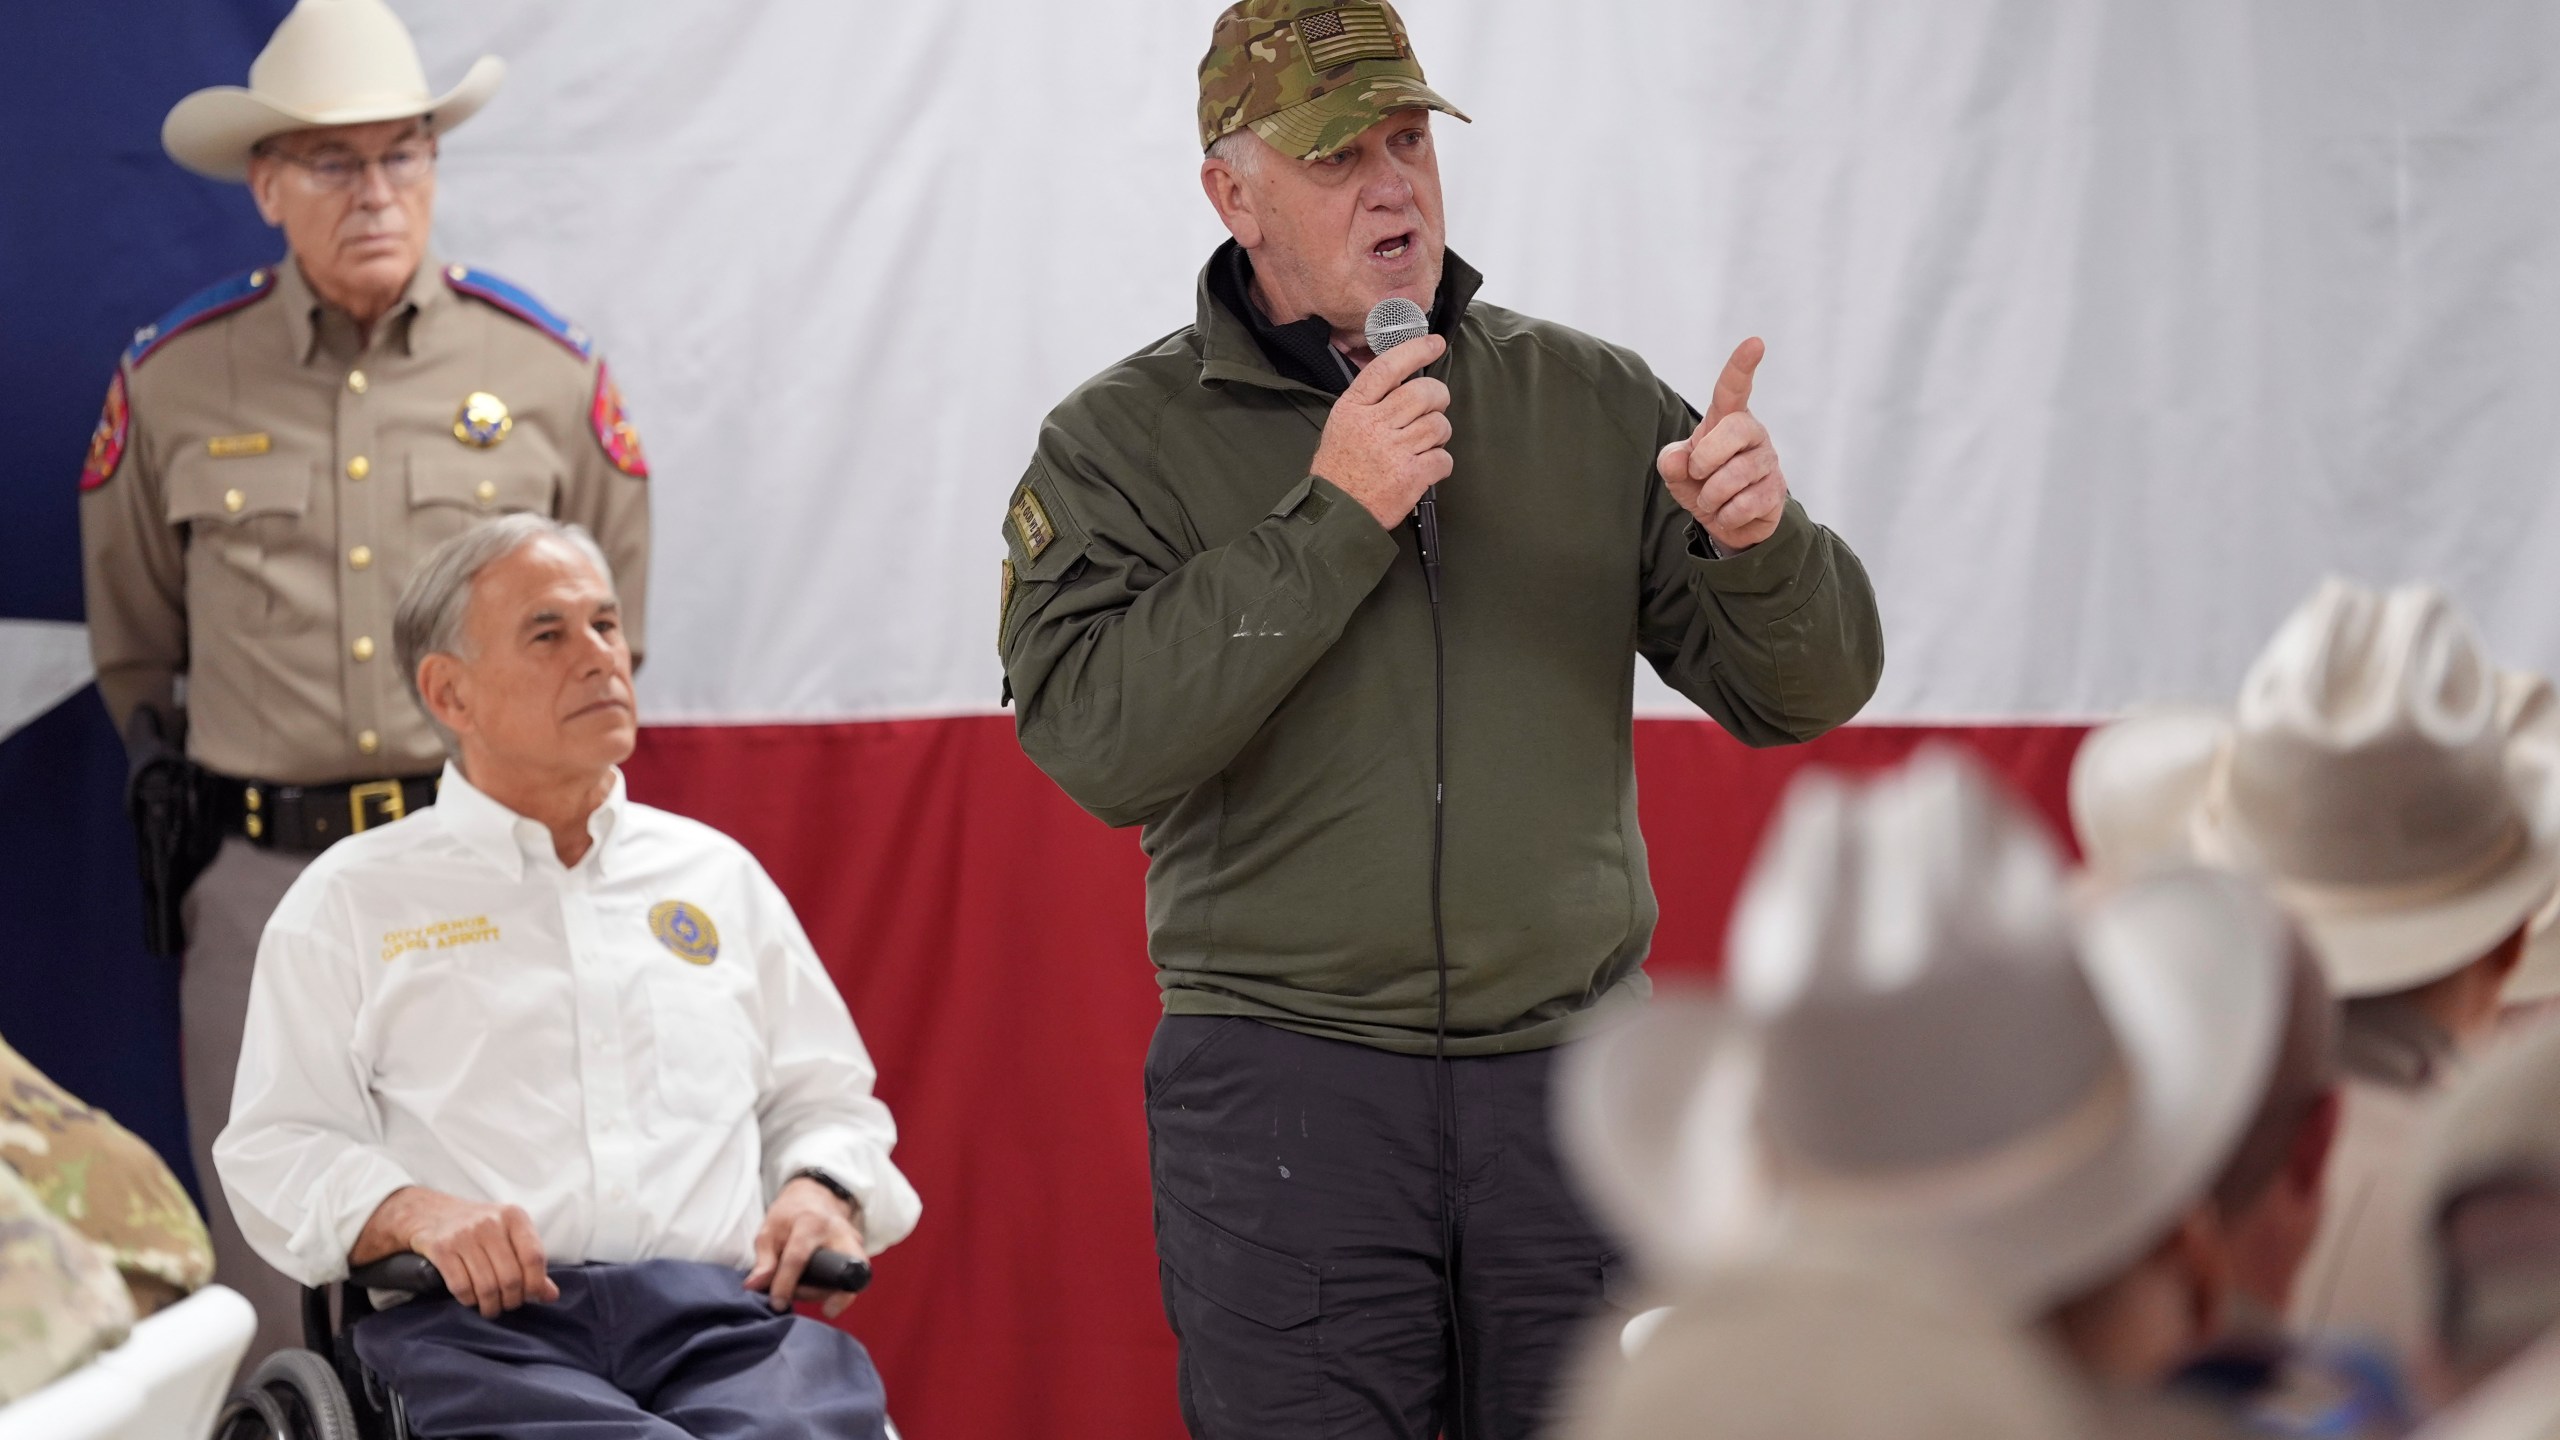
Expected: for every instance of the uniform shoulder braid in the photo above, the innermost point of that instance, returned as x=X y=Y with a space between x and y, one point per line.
x=211 y=302
x=515 y=300
x=115 y=423
x=605 y=415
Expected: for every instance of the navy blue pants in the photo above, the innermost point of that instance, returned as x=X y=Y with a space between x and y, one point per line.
x=661 y=1350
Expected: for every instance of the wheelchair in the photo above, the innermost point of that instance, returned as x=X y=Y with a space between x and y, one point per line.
x=326 y=1393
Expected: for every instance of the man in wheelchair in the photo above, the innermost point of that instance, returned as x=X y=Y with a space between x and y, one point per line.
x=575 y=1051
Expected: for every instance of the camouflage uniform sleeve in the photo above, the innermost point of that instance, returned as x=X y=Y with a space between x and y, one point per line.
x=60 y=1301
x=1779 y=643
x=608 y=493
x=1139 y=672
x=102 y=1180
x=133 y=567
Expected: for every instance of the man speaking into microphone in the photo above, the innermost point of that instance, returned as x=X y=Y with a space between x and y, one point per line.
x=1387 y=790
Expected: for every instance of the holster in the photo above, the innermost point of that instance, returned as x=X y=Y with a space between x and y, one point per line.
x=173 y=824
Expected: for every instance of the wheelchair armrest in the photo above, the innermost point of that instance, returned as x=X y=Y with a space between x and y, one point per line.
x=835 y=1270
x=408 y=1274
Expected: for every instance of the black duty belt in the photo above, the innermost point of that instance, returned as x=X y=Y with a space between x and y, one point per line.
x=311 y=818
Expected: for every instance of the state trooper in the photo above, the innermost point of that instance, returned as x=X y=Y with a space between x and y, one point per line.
x=275 y=455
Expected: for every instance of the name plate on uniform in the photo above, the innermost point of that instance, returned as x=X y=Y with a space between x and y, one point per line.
x=225 y=447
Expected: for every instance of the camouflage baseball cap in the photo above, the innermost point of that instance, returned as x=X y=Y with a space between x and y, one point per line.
x=1309 y=75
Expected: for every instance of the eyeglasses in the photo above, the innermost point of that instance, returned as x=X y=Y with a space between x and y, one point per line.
x=404 y=165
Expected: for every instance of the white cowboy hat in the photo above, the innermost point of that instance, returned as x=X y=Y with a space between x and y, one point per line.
x=1786 y=1352
x=2368 y=784
x=2363 y=777
x=332 y=62
x=1926 y=1053
x=2529 y=718
x=2135 y=783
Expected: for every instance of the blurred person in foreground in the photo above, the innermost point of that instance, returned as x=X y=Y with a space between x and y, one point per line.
x=2489 y=1226
x=276 y=454
x=1930 y=1058
x=95 y=1231
x=1806 y=1351
x=2131 y=795
x=101 y=1179
x=574 y=1050
x=2366 y=779
x=61 y=1303
x=1378 y=734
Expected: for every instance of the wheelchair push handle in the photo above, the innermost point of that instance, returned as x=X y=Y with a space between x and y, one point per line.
x=414 y=1274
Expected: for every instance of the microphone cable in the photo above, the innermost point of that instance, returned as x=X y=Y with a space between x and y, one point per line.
x=1392 y=322
x=1426 y=520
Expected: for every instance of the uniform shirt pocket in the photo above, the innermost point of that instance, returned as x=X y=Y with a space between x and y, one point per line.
x=449 y=491
x=206 y=491
x=707 y=1056
x=244 y=515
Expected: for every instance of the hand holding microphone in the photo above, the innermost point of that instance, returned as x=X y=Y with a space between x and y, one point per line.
x=1726 y=473
x=1387 y=439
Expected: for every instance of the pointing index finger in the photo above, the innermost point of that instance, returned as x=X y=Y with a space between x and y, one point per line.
x=1733 y=387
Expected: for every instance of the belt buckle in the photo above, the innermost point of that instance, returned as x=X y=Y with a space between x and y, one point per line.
x=394 y=804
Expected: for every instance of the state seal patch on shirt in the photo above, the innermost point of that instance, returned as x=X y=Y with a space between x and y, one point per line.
x=106 y=443
x=685 y=931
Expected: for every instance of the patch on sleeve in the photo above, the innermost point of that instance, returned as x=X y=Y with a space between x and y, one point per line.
x=106 y=443
x=613 y=428
x=1030 y=520
x=1004 y=609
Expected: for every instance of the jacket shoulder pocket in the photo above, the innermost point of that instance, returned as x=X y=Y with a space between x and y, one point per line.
x=1042 y=536
x=205 y=488
x=476 y=483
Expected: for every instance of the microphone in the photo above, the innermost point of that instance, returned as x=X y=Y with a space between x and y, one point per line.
x=1391 y=323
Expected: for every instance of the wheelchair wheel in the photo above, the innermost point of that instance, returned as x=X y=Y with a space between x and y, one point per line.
x=251 y=1415
x=292 y=1395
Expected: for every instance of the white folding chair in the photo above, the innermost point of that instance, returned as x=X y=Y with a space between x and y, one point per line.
x=165 y=1382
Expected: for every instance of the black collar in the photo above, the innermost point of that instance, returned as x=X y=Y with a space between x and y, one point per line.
x=1302 y=350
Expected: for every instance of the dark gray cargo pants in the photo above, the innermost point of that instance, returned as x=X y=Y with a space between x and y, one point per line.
x=1299 y=1230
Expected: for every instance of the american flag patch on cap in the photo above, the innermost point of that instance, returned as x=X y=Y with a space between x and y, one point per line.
x=1339 y=37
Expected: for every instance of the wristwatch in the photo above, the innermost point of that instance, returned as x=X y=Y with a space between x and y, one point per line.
x=831 y=1185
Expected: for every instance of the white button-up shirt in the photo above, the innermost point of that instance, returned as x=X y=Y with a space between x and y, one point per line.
x=640 y=1049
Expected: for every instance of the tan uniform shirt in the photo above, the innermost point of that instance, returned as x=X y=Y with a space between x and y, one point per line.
x=2364 y=1280
x=265 y=480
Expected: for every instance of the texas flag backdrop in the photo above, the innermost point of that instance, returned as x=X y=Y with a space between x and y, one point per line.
x=2101 y=328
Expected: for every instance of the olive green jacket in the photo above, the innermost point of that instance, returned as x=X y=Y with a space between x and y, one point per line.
x=1203 y=639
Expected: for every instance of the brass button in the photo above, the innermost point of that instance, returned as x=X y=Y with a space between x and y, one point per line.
x=358 y=468
x=253 y=799
x=356 y=381
x=360 y=557
x=487 y=492
x=367 y=741
x=256 y=827
x=232 y=500
x=363 y=648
